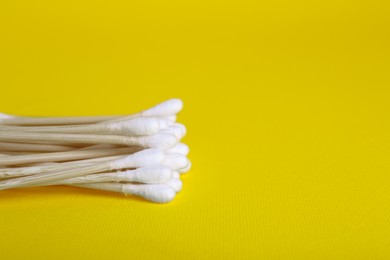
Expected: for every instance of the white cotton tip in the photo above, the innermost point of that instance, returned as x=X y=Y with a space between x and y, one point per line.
x=160 y=193
x=176 y=175
x=163 y=122
x=175 y=161
x=140 y=159
x=137 y=126
x=176 y=184
x=5 y=116
x=147 y=157
x=148 y=174
x=186 y=169
x=180 y=148
x=171 y=118
x=177 y=130
x=167 y=108
x=182 y=128
x=161 y=140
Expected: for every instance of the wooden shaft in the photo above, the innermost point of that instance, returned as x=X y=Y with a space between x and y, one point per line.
x=38 y=169
x=93 y=178
x=54 y=176
x=63 y=156
x=7 y=173
x=57 y=129
x=44 y=121
x=26 y=147
x=16 y=153
x=100 y=146
x=101 y=159
x=66 y=138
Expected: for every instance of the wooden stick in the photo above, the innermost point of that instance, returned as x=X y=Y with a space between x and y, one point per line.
x=51 y=167
x=163 y=140
x=99 y=159
x=100 y=146
x=136 y=126
x=69 y=144
x=17 y=153
x=64 y=156
x=167 y=108
x=77 y=120
x=139 y=159
x=26 y=147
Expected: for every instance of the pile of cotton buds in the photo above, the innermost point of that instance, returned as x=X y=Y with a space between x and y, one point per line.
x=139 y=154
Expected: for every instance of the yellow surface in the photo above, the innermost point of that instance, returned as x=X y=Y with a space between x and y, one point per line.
x=287 y=106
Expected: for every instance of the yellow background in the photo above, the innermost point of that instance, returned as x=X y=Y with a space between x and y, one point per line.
x=287 y=107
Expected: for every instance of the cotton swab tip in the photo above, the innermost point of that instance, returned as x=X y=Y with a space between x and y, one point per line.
x=182 y=128
x=175 y=161
x=161 y=140
x=176 y=184
x=139 y=159
x=180 y=148
x=187 y=168
x=167 y=108
x=171 y=118
x=176 y=175
x=177 y=130
x=136 y=126
x=159 y=193
x=4 y=117
x=149 y=174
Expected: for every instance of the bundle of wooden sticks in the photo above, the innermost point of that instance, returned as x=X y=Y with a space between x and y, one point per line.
x=139 y=154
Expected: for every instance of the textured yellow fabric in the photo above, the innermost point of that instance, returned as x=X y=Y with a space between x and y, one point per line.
x=287 y=107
